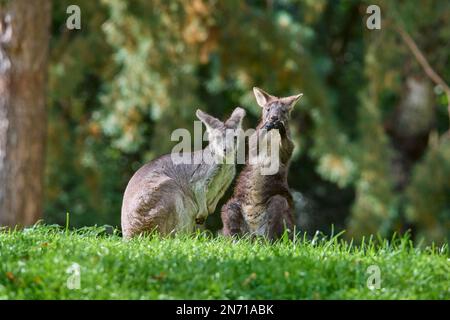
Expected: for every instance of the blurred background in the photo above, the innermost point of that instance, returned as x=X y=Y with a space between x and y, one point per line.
x=372 y=145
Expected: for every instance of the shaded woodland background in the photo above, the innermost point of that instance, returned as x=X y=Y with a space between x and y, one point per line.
x=372 y=148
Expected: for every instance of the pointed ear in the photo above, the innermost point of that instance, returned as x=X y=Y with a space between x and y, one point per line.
x=291 y=100
x=262 y=97
x=209 y=121
x=235 y=120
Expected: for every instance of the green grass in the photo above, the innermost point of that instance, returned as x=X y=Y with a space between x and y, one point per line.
x=33 y=265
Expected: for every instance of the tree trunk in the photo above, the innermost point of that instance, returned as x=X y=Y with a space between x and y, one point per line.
x=24 y=40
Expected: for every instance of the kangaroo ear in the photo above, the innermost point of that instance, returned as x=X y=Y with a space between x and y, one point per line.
x=235 y=120
x=209 y=121
x=291 y=100
x=262 y=97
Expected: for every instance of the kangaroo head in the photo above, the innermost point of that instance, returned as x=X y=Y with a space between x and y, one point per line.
x=221 y=134
x=276 y=111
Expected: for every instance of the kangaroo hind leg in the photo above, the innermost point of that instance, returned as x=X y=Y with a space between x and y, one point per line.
x=232 y=218
x=279 y=217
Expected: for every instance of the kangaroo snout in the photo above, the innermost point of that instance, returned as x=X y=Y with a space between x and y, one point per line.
x=276 y=124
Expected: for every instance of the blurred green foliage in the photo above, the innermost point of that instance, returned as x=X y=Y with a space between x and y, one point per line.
x=138 y=70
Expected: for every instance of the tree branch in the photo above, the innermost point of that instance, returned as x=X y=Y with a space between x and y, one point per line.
x=424 y=64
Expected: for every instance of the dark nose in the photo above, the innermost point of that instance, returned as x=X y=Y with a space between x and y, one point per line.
x=200 y=220
x=274 y=118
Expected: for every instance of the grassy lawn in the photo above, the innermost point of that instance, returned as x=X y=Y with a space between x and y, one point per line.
x=34 y=263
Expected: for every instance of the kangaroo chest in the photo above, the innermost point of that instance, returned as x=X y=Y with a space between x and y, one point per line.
x=204 y=195
x=256 y=218
x=254 y=208
x=259 y=191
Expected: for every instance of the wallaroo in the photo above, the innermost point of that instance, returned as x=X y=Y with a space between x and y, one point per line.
x=262 y=204
x=170 y=197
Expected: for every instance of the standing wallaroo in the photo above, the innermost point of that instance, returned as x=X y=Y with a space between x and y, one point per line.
x=262 y=204
x=168 y=196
